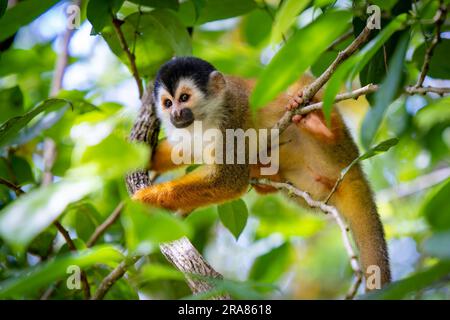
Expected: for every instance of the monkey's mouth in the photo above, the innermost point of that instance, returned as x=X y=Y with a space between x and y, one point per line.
x=182 y=118
x=182 y=123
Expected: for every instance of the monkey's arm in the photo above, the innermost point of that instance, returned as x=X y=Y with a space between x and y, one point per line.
x=162 y=158
x=204 y=186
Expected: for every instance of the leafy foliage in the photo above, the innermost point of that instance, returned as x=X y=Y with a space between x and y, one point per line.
x=234 y=216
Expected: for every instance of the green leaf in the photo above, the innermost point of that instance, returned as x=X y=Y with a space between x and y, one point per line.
x=414 y=283
x=85 y=220
x=234 y=216
x=113 y=156
x=170 y=4
x=159 y=32
x=22 y=14
x=385 y=94
x=379 y=148
x=256 y=27
x=145 y=228
x=307 y=43
x=224 y=9
x=384 y=4
x=437 y=112
x=10 y=128
x=100 y=12
x=272 y=265
x=438 y=245
x=3 y=6
x=33 y=212
x=155 y=271
x=436 y=208
x=196 y=12
x=22 y=170
x=276 y=215
x=34 y=61
x=439 y=64
x=286 y=17
x=11 y=103
x=43 y=274
x=350 y=68
x=376 y=69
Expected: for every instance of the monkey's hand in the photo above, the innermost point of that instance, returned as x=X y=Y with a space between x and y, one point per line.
x=202 y=187
x=295 y=101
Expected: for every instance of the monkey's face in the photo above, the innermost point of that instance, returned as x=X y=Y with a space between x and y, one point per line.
x=184 y=106
x=186 y=90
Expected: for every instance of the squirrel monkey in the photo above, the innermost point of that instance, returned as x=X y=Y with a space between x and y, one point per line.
x=311 y=154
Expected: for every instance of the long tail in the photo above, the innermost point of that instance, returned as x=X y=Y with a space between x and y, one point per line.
x=355 y=202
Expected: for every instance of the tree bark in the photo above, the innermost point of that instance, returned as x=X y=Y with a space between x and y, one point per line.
x=181 y=253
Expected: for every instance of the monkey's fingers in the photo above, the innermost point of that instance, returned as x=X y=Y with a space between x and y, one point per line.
x=297 y=119
x=295 y=102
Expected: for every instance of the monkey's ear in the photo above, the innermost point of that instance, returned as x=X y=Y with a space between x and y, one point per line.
x=216 y=83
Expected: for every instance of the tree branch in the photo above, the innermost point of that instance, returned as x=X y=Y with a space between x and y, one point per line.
x=439 y=20
x=370 y=88
x=49 y=160
x=181 y=252
x=116 y=274
x=310 y=91
x=131 y=57
x=49 y=153
x=17 y=190
x=327 y=209
x=105 y=225
x=425 y=90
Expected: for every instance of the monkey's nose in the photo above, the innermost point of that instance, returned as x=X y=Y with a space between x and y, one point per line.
x=182 y=118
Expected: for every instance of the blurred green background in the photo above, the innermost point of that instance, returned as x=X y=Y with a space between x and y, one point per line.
x=283 y=251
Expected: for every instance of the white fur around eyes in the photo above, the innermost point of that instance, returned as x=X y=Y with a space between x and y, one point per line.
x=206 y=110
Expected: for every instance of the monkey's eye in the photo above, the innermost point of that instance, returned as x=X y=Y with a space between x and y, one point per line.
x=184 y=97
x=167 y=103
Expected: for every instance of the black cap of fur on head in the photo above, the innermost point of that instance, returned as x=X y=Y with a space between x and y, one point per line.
x=183 y=67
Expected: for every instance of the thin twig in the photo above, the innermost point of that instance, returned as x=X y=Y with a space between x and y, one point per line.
x=340 y=97
x=425 y=90
x=414 y=186
x=131 y=57
x=49 y=160
x=310 y=91
x=339 y=40
x=327 y=209
x=66 y=236
x=18 y=191
x=439 y=21
x=105 y=225
x=116 y=274
x=370 y=88
x=355 y=286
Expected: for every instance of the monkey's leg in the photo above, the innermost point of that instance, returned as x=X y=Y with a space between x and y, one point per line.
x=202 y=187
x=255 y=173
x=353 y=198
